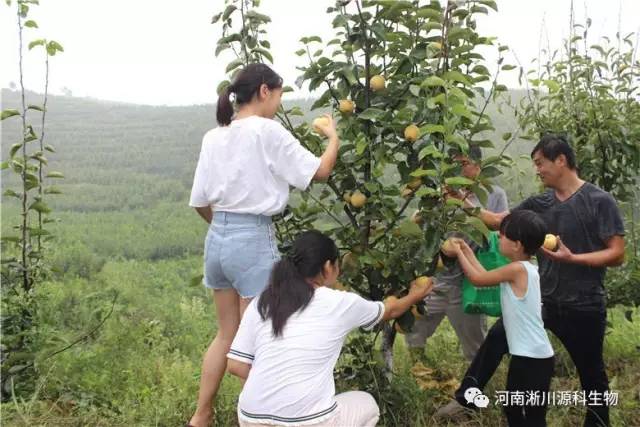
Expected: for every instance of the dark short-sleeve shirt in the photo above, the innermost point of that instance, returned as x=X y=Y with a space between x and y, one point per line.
x=584 y=222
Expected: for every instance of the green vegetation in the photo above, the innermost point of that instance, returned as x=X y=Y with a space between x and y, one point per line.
x=120 y=326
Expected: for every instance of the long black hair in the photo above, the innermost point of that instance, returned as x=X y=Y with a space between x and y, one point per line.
x=288 y=291
x=245 y=86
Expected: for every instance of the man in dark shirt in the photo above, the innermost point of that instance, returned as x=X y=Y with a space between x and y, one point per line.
x=591 y=238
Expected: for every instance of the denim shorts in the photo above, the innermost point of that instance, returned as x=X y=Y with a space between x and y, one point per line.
x=239 y=253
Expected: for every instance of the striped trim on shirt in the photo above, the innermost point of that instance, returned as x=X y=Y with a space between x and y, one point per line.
x=290 y=419
x=241 y=354
x=370 y=324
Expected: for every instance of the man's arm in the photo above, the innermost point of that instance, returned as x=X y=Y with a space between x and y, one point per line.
x=491 y=219
x=205 y=212
x=612 y=256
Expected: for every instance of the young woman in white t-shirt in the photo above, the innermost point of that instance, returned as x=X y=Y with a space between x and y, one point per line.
x=522 y=233
x=244 y=172
x=291 y=336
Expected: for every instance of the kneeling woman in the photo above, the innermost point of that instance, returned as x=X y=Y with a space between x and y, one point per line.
x=291 y=336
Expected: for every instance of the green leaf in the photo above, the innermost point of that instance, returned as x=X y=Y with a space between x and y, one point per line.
x=53 y=47
x=508 y=67
x=426 y=12
x=12 y=193
x=552 y=85
x=454 y=202
x=31 y=24
x=216 y=18
x=54 y=174
x=361 y=146
x=372 y=114
x=52 y=190
x=14 y=149
x=233 y=65
x=300 y=52
x=34 y=43
x=431 y=128
x=349 y=74
x=4 y=165
x=14 y=239
x=477 y=223
x=35 y=107
x=423 y=172
x=265 y=53
x=431 y=151
x=49 y=148
x=458 y=180
x=415 y=90
x=221 y=47
x=8 y=113
x=461 y=110
x=40 y=207
x=228 y=11
x=432 y=81
x=426 y=191
x=490 y=3
x=456 y=76
x=256 y=16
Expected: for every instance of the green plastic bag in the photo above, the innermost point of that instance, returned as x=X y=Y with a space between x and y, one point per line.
x=485 y=299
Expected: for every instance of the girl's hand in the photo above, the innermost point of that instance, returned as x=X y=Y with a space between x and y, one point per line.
x=465 y=247
x=329 y=130
x=420 y=288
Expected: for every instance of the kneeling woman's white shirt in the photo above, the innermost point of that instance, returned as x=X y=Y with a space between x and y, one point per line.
x=248 y=166
x=291 y=377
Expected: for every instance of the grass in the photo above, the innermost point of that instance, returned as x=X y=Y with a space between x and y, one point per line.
x=141 y=368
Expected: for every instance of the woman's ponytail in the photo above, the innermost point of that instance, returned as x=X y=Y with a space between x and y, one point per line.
x=287 y=293
x=289 y=290
x=245 y=86
x=224 y=110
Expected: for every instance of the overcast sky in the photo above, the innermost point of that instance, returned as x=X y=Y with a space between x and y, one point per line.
x=162 y=51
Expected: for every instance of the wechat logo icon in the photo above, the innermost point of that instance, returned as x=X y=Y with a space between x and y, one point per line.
x=475 y=396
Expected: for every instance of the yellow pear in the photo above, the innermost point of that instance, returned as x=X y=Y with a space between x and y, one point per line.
x=346 y=106
x=550 y=242
x=417 y=218
x=358 y=199
x=447 y=248
x=377 y=83
x=349 y=262
x=406 y=192
x=440 y=265
x=320 y=121
x=423 y=281
x=411 y=133
x=415 y=183
x=346 y=197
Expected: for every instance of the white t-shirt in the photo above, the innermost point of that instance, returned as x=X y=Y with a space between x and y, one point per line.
x=291 y=377
x=247 y=167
